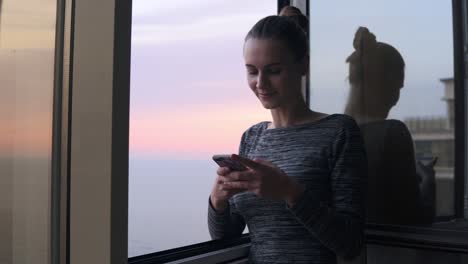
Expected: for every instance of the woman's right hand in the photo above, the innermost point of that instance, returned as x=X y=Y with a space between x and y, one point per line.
x=220 y=194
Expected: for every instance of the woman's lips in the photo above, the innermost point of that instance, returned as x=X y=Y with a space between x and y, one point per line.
x=266 y=95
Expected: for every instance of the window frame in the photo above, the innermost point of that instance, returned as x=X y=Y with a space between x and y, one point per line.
x=460 y=107
x=59 y=168
x=464 y=49
x=113 y=248
x=91 y=110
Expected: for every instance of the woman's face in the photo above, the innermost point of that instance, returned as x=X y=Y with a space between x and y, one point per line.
x=273 y=74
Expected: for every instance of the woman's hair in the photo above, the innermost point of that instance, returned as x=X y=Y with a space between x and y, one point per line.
x=370 y=54
x=296 y=14
x=290 y=26
x=376 y=75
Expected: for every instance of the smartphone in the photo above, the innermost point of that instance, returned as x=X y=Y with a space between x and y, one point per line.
x=226 y=161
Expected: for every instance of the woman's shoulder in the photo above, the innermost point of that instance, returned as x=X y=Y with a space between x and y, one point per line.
x=249 y=137
x=254 y=130
x=387 y=127
x=387 y=124
x=396 y=124
x=341 y=122
x=344 y=118
x=257 y=128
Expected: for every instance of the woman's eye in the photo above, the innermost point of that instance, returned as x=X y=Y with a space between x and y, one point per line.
x=252 y=72
x=275 y=71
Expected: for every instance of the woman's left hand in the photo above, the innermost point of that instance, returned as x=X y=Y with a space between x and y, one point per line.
x=265 y=180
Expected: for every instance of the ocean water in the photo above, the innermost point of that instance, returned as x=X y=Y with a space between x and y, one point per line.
x=168 y=202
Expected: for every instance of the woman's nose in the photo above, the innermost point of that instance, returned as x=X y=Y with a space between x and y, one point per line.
x=260 y=81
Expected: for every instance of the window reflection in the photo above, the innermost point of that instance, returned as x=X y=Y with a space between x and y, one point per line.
x=403 y=102
x=27 y=30
x=376 y=75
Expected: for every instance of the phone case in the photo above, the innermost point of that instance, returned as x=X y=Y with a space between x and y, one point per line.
x=226 y=161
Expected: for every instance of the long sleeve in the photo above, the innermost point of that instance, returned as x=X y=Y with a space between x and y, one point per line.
x=225 y=224
x=339 y=222
x=228 y=223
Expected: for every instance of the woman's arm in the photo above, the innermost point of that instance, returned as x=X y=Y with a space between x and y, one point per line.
x=225 y=224
x=339 y=224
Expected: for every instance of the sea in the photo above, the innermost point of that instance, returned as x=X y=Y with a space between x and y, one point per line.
x=168 y=203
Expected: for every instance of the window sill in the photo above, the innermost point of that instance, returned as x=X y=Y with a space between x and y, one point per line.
x=208 y=252
x=231 y=255
x=448 y=237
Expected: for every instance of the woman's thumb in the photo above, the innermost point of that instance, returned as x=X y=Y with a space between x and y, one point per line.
x=262 y=161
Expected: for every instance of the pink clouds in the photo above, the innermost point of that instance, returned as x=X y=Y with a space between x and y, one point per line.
x=195 y=132
x=189 y=97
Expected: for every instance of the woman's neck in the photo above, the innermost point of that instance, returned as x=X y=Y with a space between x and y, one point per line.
x=292 y=114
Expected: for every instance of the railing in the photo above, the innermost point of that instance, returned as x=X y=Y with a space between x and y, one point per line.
x=428 y=125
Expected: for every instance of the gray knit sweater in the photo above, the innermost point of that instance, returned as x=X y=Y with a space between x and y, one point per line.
x=328 y=158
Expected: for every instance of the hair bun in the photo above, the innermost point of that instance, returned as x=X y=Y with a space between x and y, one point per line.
x=295 y=14
x=364 y=39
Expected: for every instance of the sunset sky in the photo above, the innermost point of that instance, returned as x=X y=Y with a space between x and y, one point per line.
x=27 y=39
x=189 y=97
x=21 y=28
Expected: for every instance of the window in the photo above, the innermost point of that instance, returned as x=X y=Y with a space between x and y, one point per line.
x=189 y=100
x=419 y=102
x=431 y=105
x=96 y=214
x=27 y=38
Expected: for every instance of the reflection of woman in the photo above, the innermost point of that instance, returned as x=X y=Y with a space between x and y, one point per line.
x=376 y=75
x=302 y=194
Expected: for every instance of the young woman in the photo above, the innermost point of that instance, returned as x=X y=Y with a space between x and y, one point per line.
x=302 y=196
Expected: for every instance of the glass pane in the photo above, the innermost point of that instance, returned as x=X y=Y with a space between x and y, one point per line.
x=400 y=93
x=465 y=49
x=189 y=100
x=27 y=37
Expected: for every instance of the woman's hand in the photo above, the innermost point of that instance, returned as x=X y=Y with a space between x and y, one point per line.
x=221 y=192
x=264 y=179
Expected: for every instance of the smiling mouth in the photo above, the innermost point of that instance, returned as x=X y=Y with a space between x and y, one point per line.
x=266 y=94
